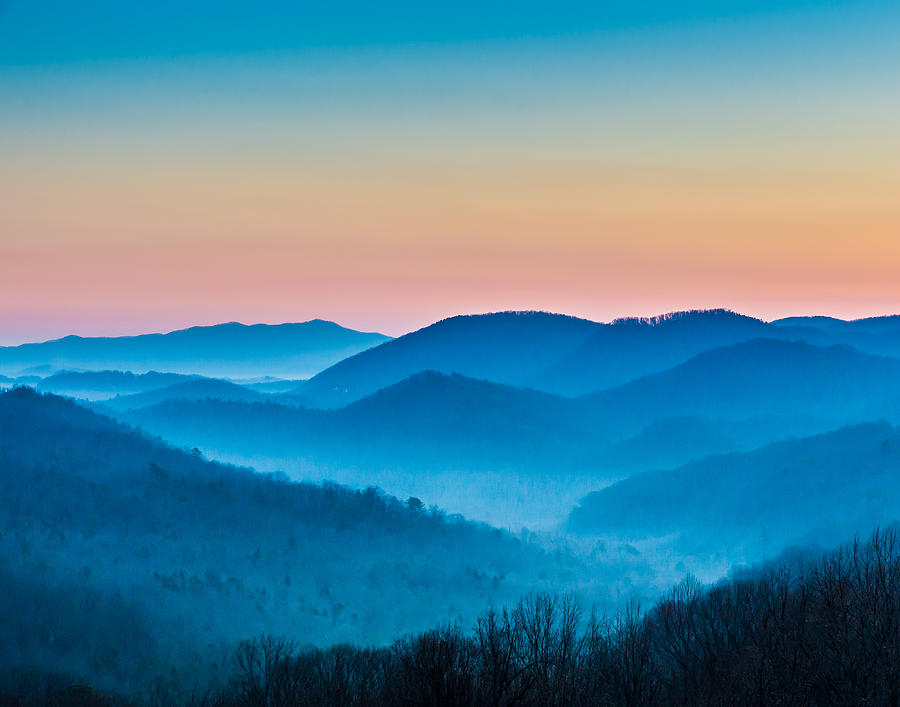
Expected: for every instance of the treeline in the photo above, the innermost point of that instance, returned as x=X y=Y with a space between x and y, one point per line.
x=824 y=633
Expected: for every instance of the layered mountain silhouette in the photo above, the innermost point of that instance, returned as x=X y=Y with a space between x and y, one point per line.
x=763 y=377
x=507 y=347
x=547 y=352
x=223 y=350
x=631 y=348
x=428 y=421
x=876 y=335
x=125 y=389
x=731 y=398
x=648 y=448
x=207 y=554
x=747 y=393
x=553 y=353
x=870 y=325
x=194 y=389
x=98 y=385
x=497 y=453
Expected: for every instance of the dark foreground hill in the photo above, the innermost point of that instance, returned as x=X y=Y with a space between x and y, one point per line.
x=814 y=489
x=124 y=559
x=798 y=632
x=223 y=350
x=803 y=630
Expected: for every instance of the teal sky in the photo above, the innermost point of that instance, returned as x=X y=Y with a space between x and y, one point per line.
x=383 y=165
x=38 y=32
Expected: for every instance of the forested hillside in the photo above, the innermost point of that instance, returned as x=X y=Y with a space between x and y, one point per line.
x=799 y=631
x=188 y=557
x=751 y=505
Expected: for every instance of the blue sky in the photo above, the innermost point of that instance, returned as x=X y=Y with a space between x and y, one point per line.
x=36 y=31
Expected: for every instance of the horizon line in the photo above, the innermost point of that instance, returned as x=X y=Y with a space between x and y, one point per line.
x=625 y=318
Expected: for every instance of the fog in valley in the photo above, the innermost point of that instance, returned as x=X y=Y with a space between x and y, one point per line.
x=474 y=476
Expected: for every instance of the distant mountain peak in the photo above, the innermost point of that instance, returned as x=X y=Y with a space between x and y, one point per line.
x=230 y=349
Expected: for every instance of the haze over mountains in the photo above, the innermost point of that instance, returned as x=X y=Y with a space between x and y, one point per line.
x=610 y=459
x=877 y=335
x=97 y=511
x=471 y=395
x=224 y=350
x=569 y=356
x=629 y=348
x=193 y=389
x=99 y=385
x=760 y=377
x=521 y=450
x=751 y=505
x=507 y=347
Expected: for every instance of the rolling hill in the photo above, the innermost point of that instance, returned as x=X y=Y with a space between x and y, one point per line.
x=223 y=350
x=507 y=347
x=788 y=379
x=871 y=325
x=808 y=490
x=875 y=335
x=525 y=454
x=631 y=348
x=196 y=389
x=99 y=385
x=546 y=352
x=471 y=446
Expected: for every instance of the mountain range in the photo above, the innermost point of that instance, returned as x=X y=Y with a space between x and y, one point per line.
x=640 y=451
x=223 y=350
x=420 y=434
x=567 y=356
x=506 y=347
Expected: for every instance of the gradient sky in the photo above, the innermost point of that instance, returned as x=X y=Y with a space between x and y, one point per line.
x=387 y=164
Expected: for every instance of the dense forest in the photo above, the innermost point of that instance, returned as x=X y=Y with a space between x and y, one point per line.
x=800 y=632
x=177 y=558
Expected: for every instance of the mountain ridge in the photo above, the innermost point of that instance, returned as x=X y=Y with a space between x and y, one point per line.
x=504 y=347
x=222 y=350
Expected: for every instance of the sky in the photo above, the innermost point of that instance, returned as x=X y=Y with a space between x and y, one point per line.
x=385 y=165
